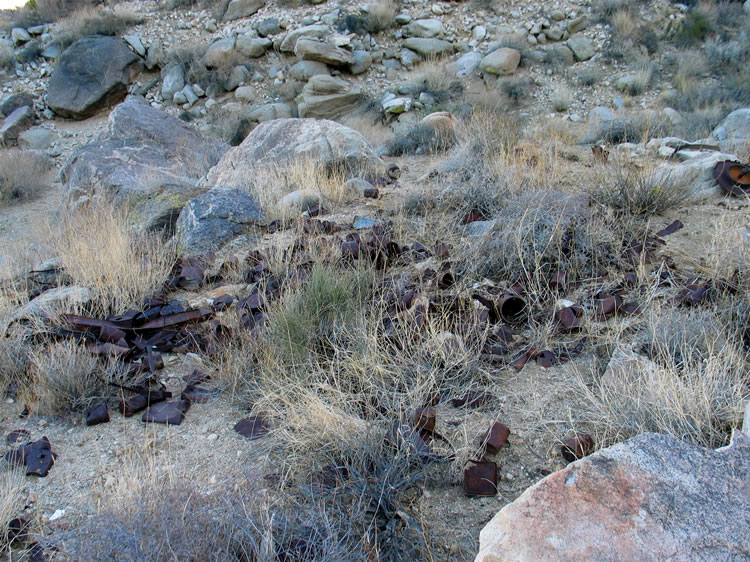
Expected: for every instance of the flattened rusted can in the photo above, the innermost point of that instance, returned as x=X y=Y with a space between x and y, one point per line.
x=480 y=479
x=495 y=437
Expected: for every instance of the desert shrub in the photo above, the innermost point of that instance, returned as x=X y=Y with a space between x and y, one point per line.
x=190 y=58
x=516 y=88
x=135 y=265
x=380 y=16
x=29 y=52
x=726 y=57
x=431 y=77
x=694 y=390
x=64 y=379
x=561 y=100
x=37 y=12
x=7 y=57
x=421 y=139
x=14 y=362
x=311 y=316
x=588 y=76
x=94 y=21
x=640 y=78
x=22 y=174
x=693 y=29
x=637 y=192
x=699 y=124
x=538 y=233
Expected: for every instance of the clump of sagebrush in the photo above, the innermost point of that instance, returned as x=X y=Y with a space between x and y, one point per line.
x=561 y=100
x=94 y=21
x=7 y=57
x=64 y=379
x=22 y=174
x=421 y=139
x=637 y=192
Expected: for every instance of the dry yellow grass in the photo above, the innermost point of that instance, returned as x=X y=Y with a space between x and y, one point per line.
x=101 y=252
x=23 y=174
x=12 y=484
x=625 y=24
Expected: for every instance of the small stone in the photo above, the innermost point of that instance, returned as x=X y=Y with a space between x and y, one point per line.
x=56 y=515
x=212 y=437
x=19 y=35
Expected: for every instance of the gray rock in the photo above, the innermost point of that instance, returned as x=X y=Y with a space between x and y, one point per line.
x=14 y=101
x=268 y=27
x=734 y=131
x=135 y=42
x=409 y=58
x=283 y=143
x=211 y=220
x=554 y=33
x=479 y=228
x=190 y=95
x=326 y=97
x=37 y=29
x=220 y=53
x=53 y=302
x=156 y=55
x=242 y=9
x=269 y=112
x=652 y=497
x=310 y=49
x=695 y=172
x=576 y=25
x=397 y=105
x=239 y=75
x=253 y=47
x=91 y=74
x=306 y=69
x=19 y=35
x=426 y=28
x=299 y=200
x=360 y=223
x=429 y=47
x=289 y=44
x=402 y=19
x=36 y=138
x=468 y=63
x=501 y=62
x=15 y=123
x=362 y=62
x=357 y=186
x=147 y=159
x=173 y=81
x=582 y=47
x=51 y=52
x=179 y=98
x=562 y=53
x=245 y=94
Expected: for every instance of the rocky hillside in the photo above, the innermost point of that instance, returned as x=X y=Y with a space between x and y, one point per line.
x=332 y=280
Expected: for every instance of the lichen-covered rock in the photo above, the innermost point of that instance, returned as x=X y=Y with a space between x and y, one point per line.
x=652 y=497
x=209 y=221
x=147 y=159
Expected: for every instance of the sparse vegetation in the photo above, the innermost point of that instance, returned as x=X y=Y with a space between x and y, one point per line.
x=561 y=100
x=94 y=21
x=637 y=192
x=7 y=57
x=64 y=380
x=22 y=174
x=134 y=265
x=12 y=484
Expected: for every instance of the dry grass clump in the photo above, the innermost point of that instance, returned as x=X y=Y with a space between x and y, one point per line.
x=36 y=12
x=625 y=24
x=693 y=388
x=639 y=79
x=93 y=20
x=22 y=174
x=637 y=192
x=370 y=126
x=12 y=484
x=432 y=77
x=314 y=182
x=100 y=251
x=14 y=361
x=64 y=379
x=561 y=100
x=190 y=57
x=382 y=14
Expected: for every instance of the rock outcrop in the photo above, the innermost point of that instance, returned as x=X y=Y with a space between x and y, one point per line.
x=93 y=73
x=147 y=159
x=652 y=497
x=283 y=143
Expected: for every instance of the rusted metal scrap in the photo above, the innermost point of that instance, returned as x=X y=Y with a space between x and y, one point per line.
x=480 y=479
x=733 y=177
x=36 y=457
x=472 y=399
x=577 y=447
x=253 y=427
x=495 y=437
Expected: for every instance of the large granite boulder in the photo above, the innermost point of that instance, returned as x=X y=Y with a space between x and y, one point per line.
x=147 y=159
x=210 y=220
x=734 y=131
x=93 y=73
x=284 y=143
x=326 y=97
x=652 y=497
x=242 y=8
